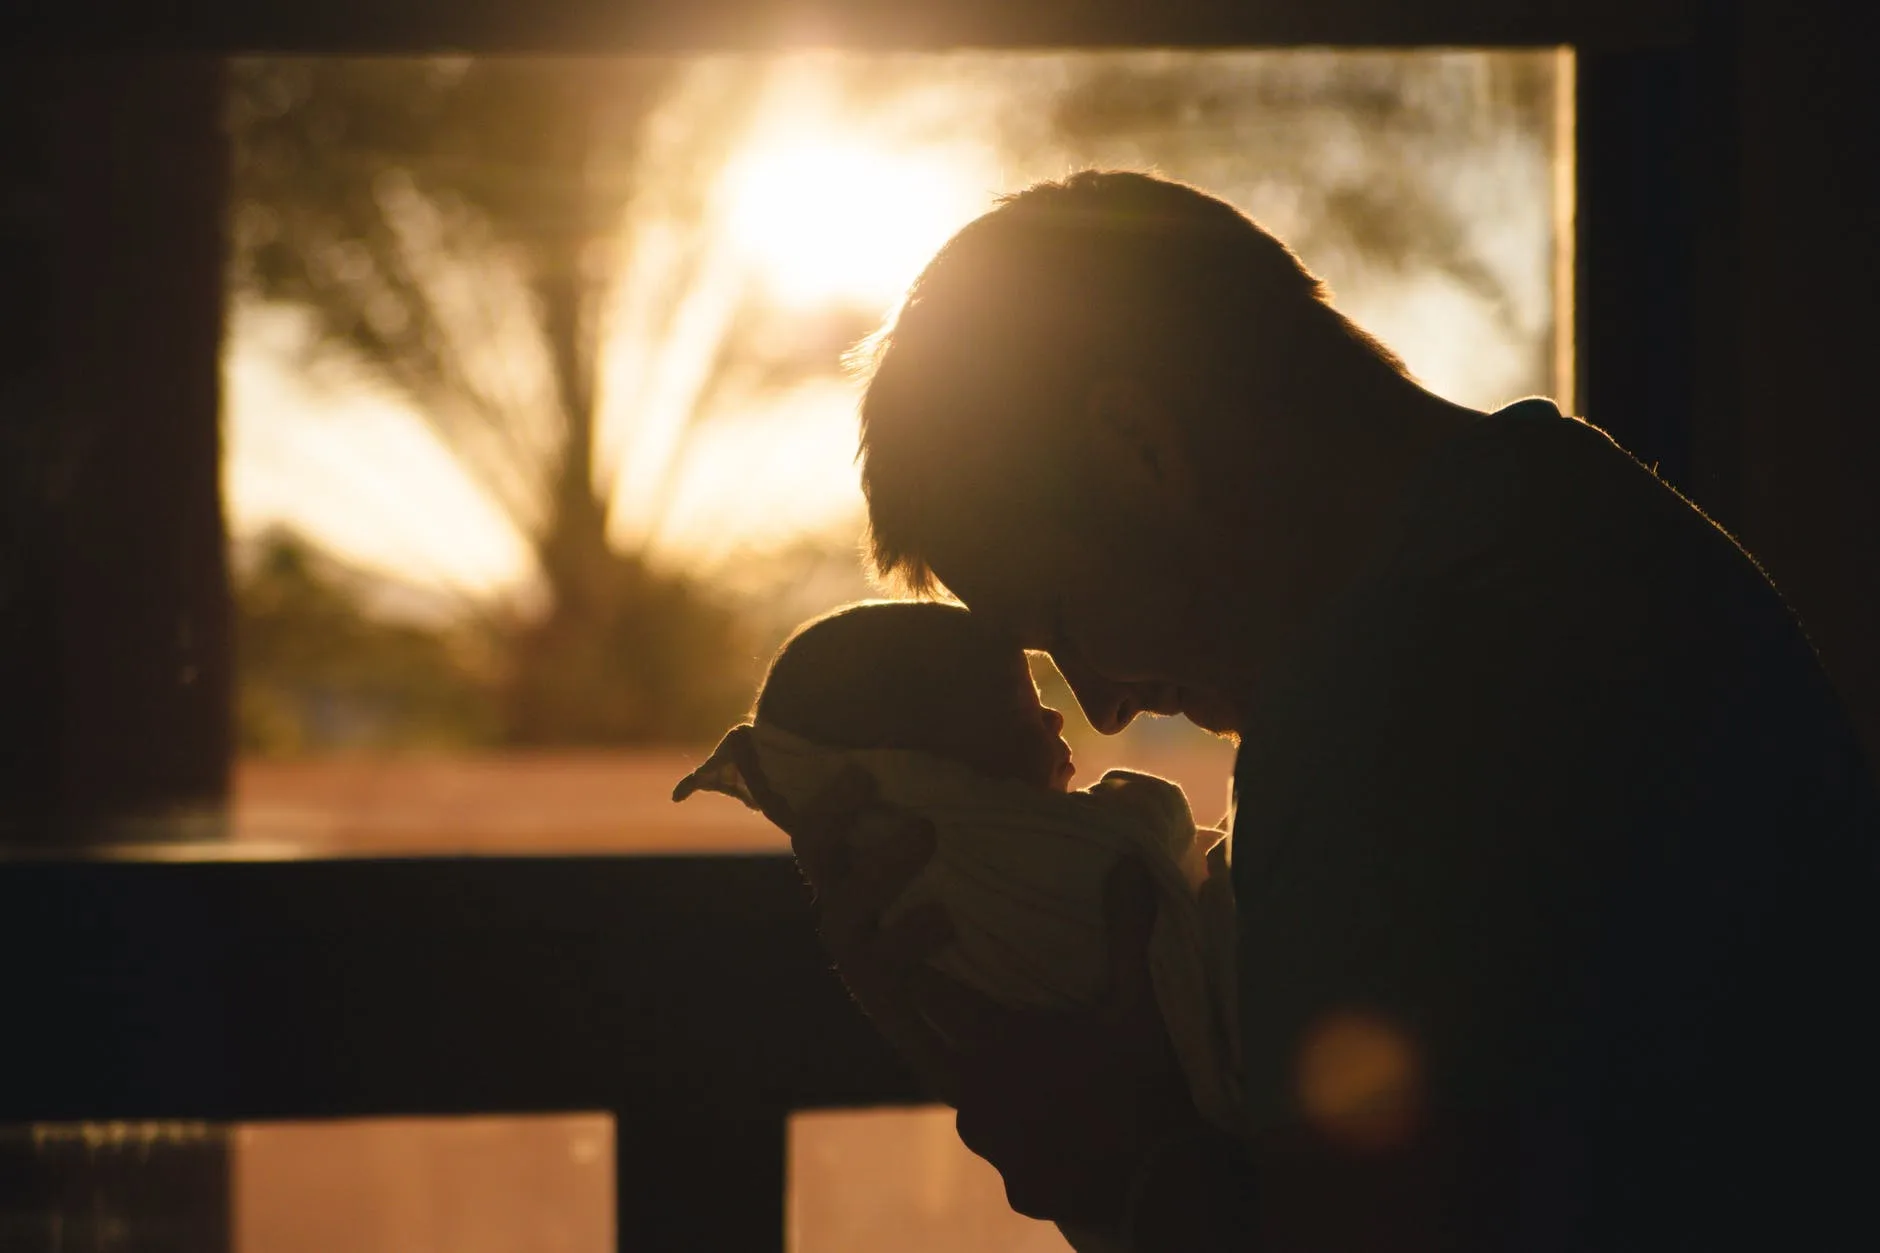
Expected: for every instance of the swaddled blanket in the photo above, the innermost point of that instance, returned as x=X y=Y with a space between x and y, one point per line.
x=1020 y=871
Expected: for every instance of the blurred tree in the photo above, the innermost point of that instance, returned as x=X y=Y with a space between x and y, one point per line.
x=1358 y=152
x=455 y=229
x=517 y=244
x=316 y=670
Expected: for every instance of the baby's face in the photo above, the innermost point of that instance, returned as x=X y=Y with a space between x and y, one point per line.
x=1013 y=735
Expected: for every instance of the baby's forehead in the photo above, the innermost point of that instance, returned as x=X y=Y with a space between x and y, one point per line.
x=972 y=681
x=979 y=666
x=930 y=653
x=956 y=635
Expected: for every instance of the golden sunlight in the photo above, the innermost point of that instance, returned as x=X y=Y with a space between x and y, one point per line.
x=830 y=218
x=780 y=205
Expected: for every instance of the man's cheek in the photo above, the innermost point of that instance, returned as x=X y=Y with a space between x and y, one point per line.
x=1121 y=659
x=1140 y=645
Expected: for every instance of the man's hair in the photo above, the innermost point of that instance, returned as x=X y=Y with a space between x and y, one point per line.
x=880 y=673
x=999 y=337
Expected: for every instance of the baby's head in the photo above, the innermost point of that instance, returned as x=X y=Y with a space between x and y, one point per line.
x=917 y=675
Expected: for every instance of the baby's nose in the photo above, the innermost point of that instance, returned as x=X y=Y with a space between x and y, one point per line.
x=1053 y=720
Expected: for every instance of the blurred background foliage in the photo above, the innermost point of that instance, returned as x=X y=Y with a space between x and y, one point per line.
x=328 y=659
x=317 y=670
x=520 y=251
x=446 y=225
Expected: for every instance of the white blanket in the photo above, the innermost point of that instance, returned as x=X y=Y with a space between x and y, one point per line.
x=1020 y=872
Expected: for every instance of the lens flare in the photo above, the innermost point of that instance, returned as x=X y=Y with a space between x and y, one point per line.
x=1359 y=1081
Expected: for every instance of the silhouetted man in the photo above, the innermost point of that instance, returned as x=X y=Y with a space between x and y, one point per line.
x=1555 y=856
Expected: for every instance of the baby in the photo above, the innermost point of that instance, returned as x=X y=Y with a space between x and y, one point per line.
x=943 y=713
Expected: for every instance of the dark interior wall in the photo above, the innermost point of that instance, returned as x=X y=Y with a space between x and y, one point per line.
x=1638 y=123
x=1727 y=293
x=113 y=601
x=1809 y=273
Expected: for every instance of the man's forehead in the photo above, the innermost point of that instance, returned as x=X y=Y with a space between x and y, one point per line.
x=999 y=597
x=1007 y=570
x=975 y=563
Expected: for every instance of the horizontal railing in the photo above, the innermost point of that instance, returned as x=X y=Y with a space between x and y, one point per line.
x=688 y=996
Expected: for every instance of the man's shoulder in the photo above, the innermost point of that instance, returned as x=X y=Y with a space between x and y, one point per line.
x=1551 y=613
x=1533 y=505
x=1537 y=579
x=1526 y=481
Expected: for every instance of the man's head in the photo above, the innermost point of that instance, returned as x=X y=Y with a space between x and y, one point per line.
x=917 y=675
x=1090 y=400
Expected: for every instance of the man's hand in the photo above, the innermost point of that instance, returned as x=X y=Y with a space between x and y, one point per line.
x=1067 y=1106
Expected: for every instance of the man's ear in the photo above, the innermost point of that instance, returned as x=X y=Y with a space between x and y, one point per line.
x=1137 y=447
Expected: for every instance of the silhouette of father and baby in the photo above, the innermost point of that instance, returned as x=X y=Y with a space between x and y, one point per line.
x=1545 y=914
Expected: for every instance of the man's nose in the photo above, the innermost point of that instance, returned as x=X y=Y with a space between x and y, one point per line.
x=1053 y=721
x=1109 y=705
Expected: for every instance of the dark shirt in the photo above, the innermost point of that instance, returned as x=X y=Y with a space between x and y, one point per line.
x=1559 y=796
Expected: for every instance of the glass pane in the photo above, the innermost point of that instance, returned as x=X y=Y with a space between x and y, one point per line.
x=509 y=1184
x=859 y=1181
x=514 y=1184
x=865 y=1180
x=538 y=439
x=138 y=1187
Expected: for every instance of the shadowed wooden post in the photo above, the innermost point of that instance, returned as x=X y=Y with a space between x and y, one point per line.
x=691 y=1177
x=114 y=649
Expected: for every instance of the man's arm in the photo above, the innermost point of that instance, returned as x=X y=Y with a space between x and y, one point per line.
x=1416 y=886
x=1193 y=1194
x=1069 y=1106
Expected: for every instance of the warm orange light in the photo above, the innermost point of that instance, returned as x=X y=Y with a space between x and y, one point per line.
x=829 y=217
x=1359 y=1080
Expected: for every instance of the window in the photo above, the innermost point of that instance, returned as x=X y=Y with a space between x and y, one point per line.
x=536 y=443
x=538 y=440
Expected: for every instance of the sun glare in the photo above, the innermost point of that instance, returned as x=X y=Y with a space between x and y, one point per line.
x=825 y=219
x=820 y=195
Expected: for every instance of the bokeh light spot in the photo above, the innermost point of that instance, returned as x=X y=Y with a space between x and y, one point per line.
x=1359 y=1080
